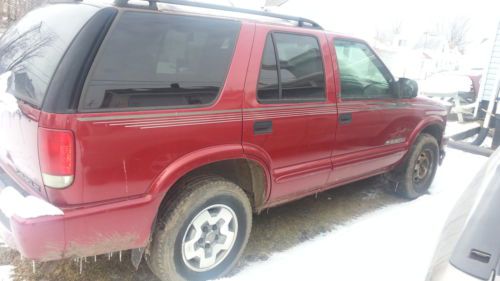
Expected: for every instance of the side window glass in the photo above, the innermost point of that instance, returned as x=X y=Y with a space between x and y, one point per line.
x=360 y=72
x=159 y=60
x=268 y=88
x=298 y=77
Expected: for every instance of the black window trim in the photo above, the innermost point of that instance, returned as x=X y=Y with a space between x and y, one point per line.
x=386 y=73
x=57 y=99
x=280 y=99
x=121 y=12
x=50 y=94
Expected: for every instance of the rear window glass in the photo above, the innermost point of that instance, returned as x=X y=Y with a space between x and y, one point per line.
x=158 y=60
x=291 y=70
x=33 y=48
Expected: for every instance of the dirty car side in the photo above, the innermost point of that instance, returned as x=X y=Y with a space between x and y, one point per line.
x=123 y=157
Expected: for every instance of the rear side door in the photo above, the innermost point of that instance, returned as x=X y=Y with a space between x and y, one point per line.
x=373 y=126
x=289 y=112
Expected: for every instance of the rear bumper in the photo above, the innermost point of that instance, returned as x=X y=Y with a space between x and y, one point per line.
x=77 y=232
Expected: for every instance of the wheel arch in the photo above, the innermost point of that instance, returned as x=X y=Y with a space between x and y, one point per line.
x=229 y=162
x=433 y=126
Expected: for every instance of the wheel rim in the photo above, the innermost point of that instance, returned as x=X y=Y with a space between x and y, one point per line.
x=422 y=167
x=209 y=238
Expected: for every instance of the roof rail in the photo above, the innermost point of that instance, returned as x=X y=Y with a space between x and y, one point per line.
x=301 y=22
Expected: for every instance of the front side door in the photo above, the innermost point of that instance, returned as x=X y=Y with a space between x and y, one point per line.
x=372 y=127
x=289 y=115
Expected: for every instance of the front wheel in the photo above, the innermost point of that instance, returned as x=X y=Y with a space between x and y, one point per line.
x=415 y=175
x=203 y=232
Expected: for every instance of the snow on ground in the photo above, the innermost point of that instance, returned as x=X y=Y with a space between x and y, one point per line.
x=393 y=243
x=453 y=128
x=5 y=272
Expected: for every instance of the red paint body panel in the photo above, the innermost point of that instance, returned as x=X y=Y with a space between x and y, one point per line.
x=127 y=161
x=300 y=145
x=86 y=231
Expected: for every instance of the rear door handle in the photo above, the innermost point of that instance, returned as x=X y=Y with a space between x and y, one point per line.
x=263 y=127
x=345 y=118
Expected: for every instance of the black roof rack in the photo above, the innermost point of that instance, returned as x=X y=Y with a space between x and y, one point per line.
x=302 y=22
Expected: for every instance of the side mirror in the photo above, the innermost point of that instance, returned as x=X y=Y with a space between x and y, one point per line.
x=408 y=88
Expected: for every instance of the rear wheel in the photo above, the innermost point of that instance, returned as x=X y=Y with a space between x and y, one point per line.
x=202 y=232
x=414 y=177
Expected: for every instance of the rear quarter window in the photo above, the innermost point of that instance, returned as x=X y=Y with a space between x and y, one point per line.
x=33 y=48
x=153 y=60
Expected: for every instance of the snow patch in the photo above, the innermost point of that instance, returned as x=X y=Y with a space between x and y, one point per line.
x=6 y=272
x=391 y=244
x=8 y=102
x=13 y=203
x=453 y=128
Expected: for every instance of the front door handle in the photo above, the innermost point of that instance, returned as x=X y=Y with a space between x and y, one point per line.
x=263 y=127
x=345 y=118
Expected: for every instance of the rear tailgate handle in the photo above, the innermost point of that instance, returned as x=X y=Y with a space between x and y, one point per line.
x=263 y=127
x=345 y=118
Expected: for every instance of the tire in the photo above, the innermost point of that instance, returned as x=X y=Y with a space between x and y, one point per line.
x=412 y=179
x=207 y=210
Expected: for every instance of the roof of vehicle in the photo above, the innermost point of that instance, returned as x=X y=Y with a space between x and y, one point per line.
x=241 y=16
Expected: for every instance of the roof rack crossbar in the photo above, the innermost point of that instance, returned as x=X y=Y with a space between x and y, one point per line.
x=302 y=22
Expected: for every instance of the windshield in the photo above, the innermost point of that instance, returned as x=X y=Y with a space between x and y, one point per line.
x=33 y=47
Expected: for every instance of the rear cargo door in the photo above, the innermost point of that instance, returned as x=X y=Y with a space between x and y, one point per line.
x=30 y=52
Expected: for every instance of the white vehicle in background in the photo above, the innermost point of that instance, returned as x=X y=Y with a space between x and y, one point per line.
x=469 y=248
x=450 y=85
x=458 y=89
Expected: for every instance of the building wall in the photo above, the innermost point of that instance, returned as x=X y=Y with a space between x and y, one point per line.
x=492 y=73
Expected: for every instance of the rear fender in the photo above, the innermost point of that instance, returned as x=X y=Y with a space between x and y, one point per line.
x=197 y=159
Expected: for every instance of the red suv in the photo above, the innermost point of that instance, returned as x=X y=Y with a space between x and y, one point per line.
x=162 y=127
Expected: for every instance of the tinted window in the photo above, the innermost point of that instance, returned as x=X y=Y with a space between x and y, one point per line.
x=299 y=73
x=361 y=72
x=268 y=80
x=33 y=48
x=159 y=60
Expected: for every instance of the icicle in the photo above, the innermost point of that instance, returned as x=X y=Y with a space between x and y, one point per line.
x=34 y=266
x=81 y=265
x=95 y=258
x=85 y=259
x=109 y=256
x=120 y=254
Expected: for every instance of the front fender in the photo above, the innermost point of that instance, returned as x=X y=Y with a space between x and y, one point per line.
x=422 y=125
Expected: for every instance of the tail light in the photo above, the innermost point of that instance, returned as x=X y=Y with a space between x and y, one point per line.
x=56 y=149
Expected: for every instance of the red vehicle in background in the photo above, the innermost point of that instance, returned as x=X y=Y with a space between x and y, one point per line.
x=162 y=130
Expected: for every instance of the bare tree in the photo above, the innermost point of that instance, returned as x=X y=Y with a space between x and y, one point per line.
x=12 y=10
x=390 y=35
x=457 y=34
x=2 y=6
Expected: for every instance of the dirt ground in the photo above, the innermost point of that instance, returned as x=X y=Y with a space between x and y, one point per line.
x=276 y=230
